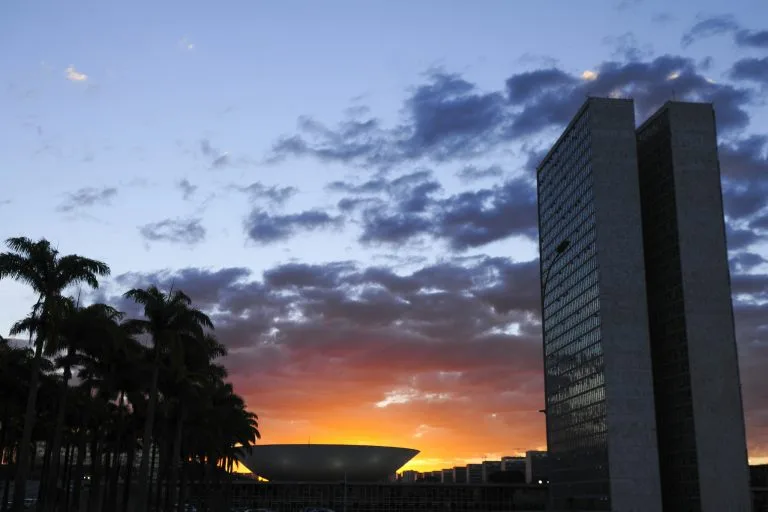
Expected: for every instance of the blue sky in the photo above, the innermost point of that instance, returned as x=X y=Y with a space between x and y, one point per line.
x=130 y=132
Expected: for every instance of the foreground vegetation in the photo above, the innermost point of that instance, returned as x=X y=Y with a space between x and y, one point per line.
x=104 y=394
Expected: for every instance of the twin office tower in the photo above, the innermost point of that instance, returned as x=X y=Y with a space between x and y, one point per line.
x=643 y=399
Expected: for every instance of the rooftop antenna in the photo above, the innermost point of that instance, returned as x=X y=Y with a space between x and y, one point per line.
x=673 y=95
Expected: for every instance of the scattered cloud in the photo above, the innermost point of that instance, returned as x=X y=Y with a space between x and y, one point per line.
x=187 y=188
x=754 y=70
x=74 y=75
x=87 y=197
x=218 y=159
x=272 y=195
x=186 y=44
x=725 y=25
x=263 y=227
x=663 y=18
x=470 y=173
x=180 y=231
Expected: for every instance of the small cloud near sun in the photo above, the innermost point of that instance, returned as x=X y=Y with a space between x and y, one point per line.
x=186 y=44
x=589 y=75
x=74 y=75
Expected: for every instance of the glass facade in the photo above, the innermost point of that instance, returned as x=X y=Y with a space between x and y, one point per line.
x=573 y=349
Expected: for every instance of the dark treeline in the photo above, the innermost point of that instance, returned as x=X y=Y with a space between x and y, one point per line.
x=132 y=412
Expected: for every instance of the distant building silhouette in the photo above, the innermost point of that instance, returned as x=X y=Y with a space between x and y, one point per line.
x=536 y=467
x=460 y=475
x=474 y=473
x=489 y=468
x=643 y=405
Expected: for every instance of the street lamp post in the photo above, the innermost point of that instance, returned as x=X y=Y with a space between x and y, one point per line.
x=559 y=251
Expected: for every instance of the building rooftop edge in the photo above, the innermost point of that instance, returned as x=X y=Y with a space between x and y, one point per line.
x=579 y=112
x=663 y=108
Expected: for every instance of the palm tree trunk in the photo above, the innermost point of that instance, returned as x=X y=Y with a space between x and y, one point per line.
x=149 y=423
x=176 y=456
x=79 y=464
x=3 y=436
x=68 y=474
x=94 y=494
x=152 y=476
x=22 y=468
x=7 y=486
x=109 y=463
x=182 y=484
x=44 y=472
x=58 y=431
x=111 y=504
x=128 y=473
x=162 y=473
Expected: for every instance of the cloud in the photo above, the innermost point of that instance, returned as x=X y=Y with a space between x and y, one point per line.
x=273 y=195
x=451 y=118
x=87 y=197
x=186 y=44
x=341 y=350
x=725 y=24
x=265 y=228
x=218 y=159
x=744 y=164
x=755 y=70
x=447 y=117
x=74 y=75
x=187 y=188
x=471 y=173
x=180 y=231
x=411 y=207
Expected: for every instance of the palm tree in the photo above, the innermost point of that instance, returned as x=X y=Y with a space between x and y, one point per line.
x=39 y=265
x=171 y=321
x=189 y=373
x=82 y=329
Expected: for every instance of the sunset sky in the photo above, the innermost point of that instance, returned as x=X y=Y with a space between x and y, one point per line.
x=347 y=186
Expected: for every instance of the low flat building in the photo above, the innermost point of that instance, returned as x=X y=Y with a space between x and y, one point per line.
x=536 y=467
x=460 y=475
x=474 y=473
x=490 y=467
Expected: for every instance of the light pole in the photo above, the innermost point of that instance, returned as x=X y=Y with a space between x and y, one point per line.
x=559 y=251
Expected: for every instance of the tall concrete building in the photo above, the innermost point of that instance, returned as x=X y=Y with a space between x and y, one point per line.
x=642 y=389
x=699 y=416
x=601 y=433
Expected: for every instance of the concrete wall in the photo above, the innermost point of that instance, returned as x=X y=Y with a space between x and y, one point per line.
x=712 y=353
x=632 y=450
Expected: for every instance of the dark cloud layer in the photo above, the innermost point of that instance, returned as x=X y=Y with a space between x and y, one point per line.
x=87 y=197
x=465 y=329
x=180 y=231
